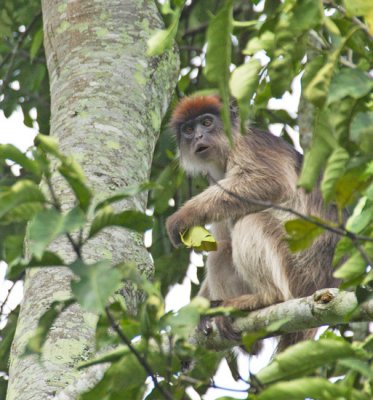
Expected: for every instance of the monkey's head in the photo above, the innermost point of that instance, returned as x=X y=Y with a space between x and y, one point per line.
x=199 y=131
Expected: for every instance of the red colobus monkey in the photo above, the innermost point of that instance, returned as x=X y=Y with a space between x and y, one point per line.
x=253 y=267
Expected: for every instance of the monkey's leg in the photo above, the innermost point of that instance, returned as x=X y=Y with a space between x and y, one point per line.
x=222 y=281
x=248 y=302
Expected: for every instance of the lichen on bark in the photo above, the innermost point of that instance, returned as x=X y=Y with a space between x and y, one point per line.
x=107 y=101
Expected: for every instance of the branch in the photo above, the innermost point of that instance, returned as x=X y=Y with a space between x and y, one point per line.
x=324 y=307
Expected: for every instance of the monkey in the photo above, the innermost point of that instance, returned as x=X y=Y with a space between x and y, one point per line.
x=253 y=266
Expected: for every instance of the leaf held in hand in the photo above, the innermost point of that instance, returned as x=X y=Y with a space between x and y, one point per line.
x=199 y=239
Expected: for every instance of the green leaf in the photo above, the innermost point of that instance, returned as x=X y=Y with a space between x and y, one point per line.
x=37 y=41
x=36 y=342
x=49 y=259
x=24 y=191
x=199 y=239
x=163 y=39
x=361 y=131
x=317 y=90
x=171 y=268
x=186 y=319
x=361 y=216
x=129 y=191
x=13 y=248
x=167 y=183
x=243 y=83
x=96 y=283
x=10 y=152
x=109 y=356
x=22 y=212
x=218 y=58
x=361 y=8
x=291 y=363
x=6 y=339
x=48 y=144
x=362 y=367
x=74 y=175
x=349 y=82
x=47 y=225
x=266 y=41
x=130 y=219
x=349 y=186
x=322 y=145
x=301 y=234
x=353 y=268
x=307 y=15
x=124 y=379
x=335 y=167
x=316 y=388
x=3 y=381
x=218 y=54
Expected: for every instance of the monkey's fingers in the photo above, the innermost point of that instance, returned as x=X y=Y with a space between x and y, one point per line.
x=225 y=327
x=174 y=228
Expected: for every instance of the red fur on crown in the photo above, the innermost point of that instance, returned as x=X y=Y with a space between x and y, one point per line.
x=192 y=106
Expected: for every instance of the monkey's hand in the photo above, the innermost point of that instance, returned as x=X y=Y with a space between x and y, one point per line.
x=177 y=224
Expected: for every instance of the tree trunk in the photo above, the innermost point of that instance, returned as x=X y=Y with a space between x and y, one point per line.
x=107 y=102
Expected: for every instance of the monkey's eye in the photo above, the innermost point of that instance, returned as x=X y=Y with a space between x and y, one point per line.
x=188 y=129
x=207 y=122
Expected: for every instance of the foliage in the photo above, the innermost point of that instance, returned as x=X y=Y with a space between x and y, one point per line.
x=23 y=72
x=251 y=51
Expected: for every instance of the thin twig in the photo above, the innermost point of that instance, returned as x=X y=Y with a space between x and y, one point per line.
x=11 y=56
x=139 y=357
x=267 y=204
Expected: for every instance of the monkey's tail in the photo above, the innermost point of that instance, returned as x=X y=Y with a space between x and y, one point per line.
x=291 y=338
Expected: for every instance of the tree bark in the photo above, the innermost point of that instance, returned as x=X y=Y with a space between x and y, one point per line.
x=107 y=102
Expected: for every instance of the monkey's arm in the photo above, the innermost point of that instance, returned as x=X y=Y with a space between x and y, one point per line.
x=228 y=199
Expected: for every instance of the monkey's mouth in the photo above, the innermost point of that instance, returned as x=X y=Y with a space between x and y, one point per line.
x=202 y=148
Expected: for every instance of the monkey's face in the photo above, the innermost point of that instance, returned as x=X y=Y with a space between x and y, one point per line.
x=197 y=136
x=203 y=144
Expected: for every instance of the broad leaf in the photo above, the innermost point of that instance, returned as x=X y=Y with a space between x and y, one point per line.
x=47 y=225
x=10 y=152
x=291 y=363
x=130 y=219
x=74 y=175
x=335 y=167
x=301 y=234
x=48 y=259
x=362 y=131
x=316 y=388
x=24 y=191
x=96 y=282
x=218 y=57
x=199 y=239
x=126 y=193
x=322 y=145
x=349 y=82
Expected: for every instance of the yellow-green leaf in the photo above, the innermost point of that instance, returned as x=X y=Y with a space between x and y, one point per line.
x=199 y=238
